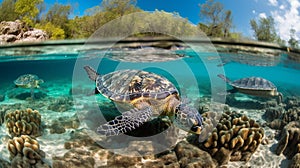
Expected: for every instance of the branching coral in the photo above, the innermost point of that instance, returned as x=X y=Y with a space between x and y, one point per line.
x=61 y=104
x=235 y=136
x=23 y=122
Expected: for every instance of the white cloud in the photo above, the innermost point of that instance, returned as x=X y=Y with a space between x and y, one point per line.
x=262 y=15
x=273 y=2
x=253 y=11
x=282 y=7
x=287 y=19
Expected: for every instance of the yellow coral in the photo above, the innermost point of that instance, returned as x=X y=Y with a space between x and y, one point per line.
x=23 y=122
x=23 y=145
x=235 y=132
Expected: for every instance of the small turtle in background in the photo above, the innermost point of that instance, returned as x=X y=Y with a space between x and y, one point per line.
x=30 y=81
x=148 y=95
x=255 y=86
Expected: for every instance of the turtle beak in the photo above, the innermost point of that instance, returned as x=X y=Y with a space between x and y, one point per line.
x=197 y=125
x=189 y=119
x=196 y=130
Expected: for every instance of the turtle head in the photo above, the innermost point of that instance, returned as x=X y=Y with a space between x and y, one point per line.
x=278 y=94
x=38 y=82
x=280 y=97
x=188 y=119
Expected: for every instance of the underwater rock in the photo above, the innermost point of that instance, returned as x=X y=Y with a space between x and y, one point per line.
x=191 y=156
x=2 y=115
x=289 y=144
x=61 y=104
x=24 y=94
x=295 y=163
x=273 y=113
x=75 y=158
x=277 y=124
x=59 y=126
x=79 y=138
x=249 y=104
x=292 y=102
x=25 y=152
x=235 y=135
x=165 y=159
x=292 y=114
x=4 y=163
x=278 y=117
x=82 y=151
x=122 y=161
x=5 y=108
x=23 y=122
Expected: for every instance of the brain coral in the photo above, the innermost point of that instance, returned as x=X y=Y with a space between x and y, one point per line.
x=235 y=137
x=23 y=122
x=25 y=152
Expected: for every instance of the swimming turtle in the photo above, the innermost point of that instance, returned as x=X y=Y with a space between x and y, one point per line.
x=29 y=81
x=148 y=95
x=255 y=86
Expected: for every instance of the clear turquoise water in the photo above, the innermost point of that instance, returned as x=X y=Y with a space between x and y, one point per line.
x=52 y=68
x=195 y=76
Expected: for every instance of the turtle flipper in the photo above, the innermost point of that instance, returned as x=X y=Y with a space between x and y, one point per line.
x=128 y=121
x=91 y=72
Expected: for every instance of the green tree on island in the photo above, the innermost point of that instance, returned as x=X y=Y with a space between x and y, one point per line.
x=7 y=11
x=218 y=21
x=55 y=21
x=27 y=10
x=292 y=41
x=264 y=30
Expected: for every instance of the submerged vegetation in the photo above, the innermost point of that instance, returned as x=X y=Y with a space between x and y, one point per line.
x=216 y=21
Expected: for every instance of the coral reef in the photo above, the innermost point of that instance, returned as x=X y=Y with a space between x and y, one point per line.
x=25 y=152
x=82 y=151
x=236 y=137
x=23 y=122
x=4 y=163
x=289 y=144
x=59 y=126
x=291 y=102
x=278 y=117
x=191 y=156
x=85 y=152
x=295 y=162
x=61 y=104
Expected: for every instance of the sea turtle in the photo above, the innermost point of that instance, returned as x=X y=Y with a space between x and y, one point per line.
x=148 y=95
x=255 y=86
x=29 y=81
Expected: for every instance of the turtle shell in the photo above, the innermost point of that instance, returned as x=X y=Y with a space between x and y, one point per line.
x=254 y=83
x=26 y=80
x=127 y=85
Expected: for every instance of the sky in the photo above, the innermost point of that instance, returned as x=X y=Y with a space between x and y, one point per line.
x=286 y=13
